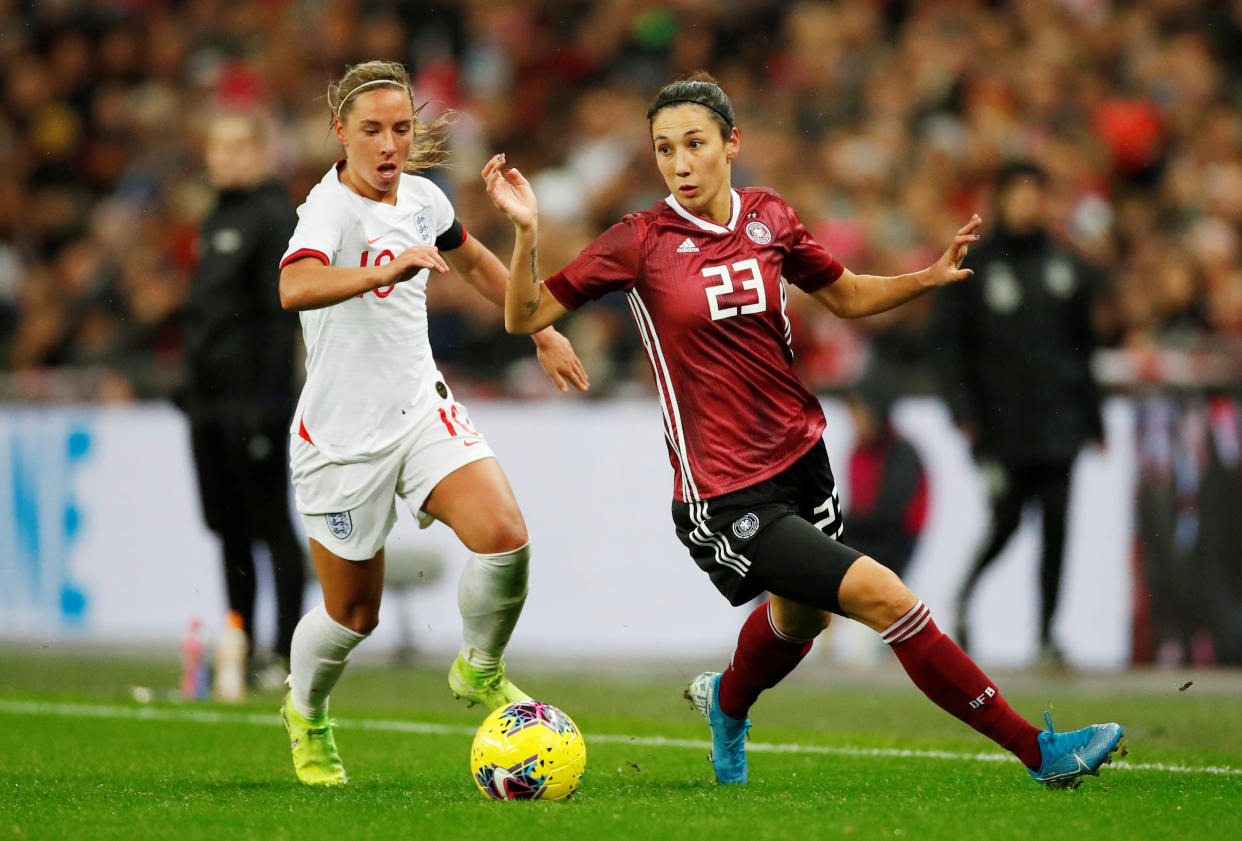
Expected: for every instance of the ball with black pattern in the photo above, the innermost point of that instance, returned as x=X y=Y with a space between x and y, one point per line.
x=528 y=751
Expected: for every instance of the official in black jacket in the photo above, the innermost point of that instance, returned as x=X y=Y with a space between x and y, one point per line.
x=1014 y=347
x=239 y=391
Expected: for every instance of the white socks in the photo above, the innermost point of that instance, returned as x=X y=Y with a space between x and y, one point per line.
x=490 y=596
x=321 y=646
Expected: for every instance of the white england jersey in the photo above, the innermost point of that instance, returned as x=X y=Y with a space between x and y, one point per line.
x=369 y=373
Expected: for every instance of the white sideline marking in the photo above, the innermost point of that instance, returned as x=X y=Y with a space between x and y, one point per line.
x=271 y=719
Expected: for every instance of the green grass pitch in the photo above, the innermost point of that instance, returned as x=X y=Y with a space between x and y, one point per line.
x=854 y=757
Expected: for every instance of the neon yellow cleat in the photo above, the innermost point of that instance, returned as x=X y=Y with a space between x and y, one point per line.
x=315 y=758
x=489 y=688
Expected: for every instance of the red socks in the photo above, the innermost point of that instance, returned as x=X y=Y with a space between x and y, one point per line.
x=935 y=663
x=763 y=657
x=948 y=676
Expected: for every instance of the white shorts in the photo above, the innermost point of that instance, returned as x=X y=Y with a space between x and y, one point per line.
x=350 y=508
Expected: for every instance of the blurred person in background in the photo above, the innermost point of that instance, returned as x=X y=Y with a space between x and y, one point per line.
x=887 y=487
x=240 y=349
x=896 y=107
x=1014 y=352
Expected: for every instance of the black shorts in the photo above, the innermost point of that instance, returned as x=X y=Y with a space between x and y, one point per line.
x=778 y=536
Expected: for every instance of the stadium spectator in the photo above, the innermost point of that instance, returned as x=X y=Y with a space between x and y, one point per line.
x=755 y=502
x=1014 y=351
x=240 y=352
x=878 y=118
x=887 y=486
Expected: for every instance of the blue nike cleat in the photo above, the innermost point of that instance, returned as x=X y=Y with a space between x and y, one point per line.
x=728 y=734
x=1068 y=756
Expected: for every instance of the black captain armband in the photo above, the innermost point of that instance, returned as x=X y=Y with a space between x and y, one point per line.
x=453 y=237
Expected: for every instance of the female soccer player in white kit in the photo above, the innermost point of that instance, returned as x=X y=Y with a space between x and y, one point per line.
x=376 y=420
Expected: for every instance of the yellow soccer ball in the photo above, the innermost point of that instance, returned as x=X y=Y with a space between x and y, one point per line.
x=528 y=751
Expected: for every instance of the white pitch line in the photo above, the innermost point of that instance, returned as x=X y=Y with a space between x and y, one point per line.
x=67 y=710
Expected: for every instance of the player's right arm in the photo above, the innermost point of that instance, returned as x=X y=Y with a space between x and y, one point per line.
x=308 y=284
x=529 y=307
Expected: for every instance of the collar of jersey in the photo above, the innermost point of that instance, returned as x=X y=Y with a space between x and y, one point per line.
x=384 y=207
x=736 y=200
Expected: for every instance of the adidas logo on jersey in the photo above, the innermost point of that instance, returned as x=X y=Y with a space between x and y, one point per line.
x=687 y=247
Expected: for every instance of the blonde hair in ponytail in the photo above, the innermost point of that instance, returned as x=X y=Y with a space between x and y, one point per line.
x=428 y=148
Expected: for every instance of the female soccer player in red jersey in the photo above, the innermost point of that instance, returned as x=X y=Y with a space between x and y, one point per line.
x=376 y=419
x=754 y=498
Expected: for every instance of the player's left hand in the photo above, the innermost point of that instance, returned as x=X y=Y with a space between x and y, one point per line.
x=948 y=269
x=559 y=361
x=511 y=192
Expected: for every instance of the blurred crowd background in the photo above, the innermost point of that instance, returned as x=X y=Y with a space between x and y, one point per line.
x=882 y=123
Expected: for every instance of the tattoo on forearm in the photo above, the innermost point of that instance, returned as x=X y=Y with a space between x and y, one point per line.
x=532 y=306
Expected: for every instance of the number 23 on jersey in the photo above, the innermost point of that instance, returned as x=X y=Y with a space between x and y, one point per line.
x=747 y=276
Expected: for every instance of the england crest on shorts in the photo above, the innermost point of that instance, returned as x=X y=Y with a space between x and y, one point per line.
x=341 y=524
x=758 y=232
x=746 y=525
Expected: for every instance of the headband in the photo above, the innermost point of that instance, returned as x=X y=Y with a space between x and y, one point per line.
x=728 y=122
x=341 y=107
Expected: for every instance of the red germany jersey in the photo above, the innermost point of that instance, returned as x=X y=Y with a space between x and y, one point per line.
x=710 y=307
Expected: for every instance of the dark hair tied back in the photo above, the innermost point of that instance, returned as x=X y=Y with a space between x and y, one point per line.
x=699 y=88
x=1020 y=170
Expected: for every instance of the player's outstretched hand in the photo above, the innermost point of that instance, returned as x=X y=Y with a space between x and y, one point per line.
x=511 y=192
x=412 y=261
x=559 y=360
x=948 y=269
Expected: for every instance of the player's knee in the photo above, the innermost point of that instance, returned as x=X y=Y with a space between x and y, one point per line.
x=798 y=620
x=505 y=533
x=361 y=619
x=805 y=627
x=874 y=594
x=364 y=623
